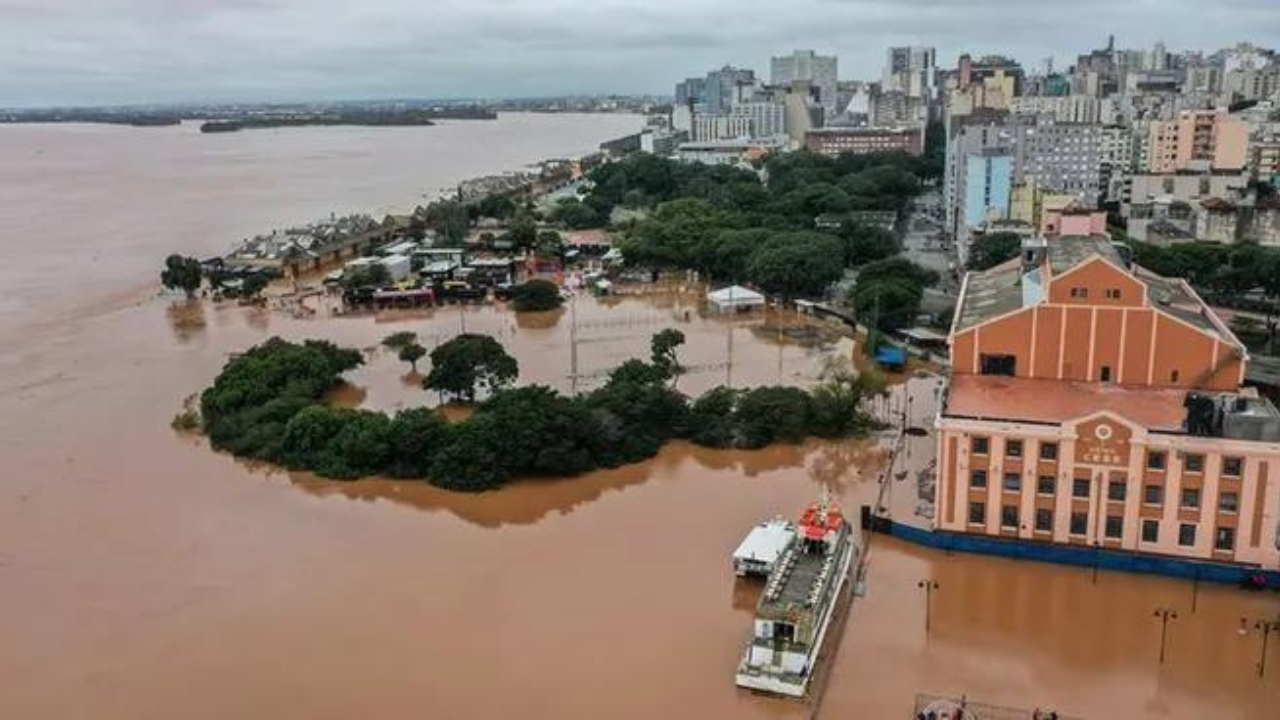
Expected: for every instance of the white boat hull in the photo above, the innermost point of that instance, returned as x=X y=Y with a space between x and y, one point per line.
x=779 y=685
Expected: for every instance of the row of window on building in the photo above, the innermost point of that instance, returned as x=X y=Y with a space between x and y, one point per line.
x=1157 y=460
x=1113 y=526
x=1117 y=491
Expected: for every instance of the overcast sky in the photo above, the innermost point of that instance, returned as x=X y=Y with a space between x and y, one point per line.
x=109 y=51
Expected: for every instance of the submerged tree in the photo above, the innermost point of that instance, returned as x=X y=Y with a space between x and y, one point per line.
x=412 y=353
x=662 y=351
x=181 y=273
x=468 y=364
x=397 y=340
x=535 y=295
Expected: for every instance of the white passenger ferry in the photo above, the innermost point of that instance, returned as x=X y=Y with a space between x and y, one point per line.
x=799 y=600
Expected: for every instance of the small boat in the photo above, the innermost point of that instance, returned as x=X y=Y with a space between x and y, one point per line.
x=798 y=603
x=762 y=547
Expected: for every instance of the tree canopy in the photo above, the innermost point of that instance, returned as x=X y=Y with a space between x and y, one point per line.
x=729 y=224
x=888 y=293
x=536 y=295
x=991 y=250
x=469 y=364
x=182 y=273
x=268 y=404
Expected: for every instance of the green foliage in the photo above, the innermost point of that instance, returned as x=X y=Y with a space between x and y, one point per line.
x=888 y=293
x=774 y=413
x=412 y=353
x=496 y=206
x=397 y=340
x=935 y=151
x=468 y=364
x=797 y=264
x=898 y=268
x=711 y=419
x=1217 y=270
x=450 y=219
x=522 y=234
x=576 y=215
x=549 y=244
x=727 y=223
x=991 y=250
x=838 y=399
x=181 y=273
x=246 y=409
x=865 y=243
x=371 y=275
x=673 y=234
x=268 y=404
x=536 y=295
x=662 y=350
x=886 y=304
x=415 y=436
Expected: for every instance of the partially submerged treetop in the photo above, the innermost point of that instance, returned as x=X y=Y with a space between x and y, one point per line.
x=468 y=364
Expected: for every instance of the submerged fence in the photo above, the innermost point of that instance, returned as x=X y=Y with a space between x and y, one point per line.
x=937 y=707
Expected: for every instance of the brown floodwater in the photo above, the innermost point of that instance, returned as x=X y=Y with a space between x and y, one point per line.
x=144 y=576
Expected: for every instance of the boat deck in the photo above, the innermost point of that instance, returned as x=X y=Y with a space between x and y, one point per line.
x=798 y=581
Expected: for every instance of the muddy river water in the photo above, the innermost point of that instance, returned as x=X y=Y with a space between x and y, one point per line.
x=144 y=576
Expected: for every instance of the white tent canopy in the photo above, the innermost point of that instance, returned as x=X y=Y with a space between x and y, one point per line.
x=735 y=298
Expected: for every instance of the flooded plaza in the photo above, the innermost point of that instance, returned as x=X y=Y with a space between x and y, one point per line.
x=144 y=576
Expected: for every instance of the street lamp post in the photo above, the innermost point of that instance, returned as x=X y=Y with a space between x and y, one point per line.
x=1097 y=557
x=928 y=586
x=1165 y=615
x=1266 y=627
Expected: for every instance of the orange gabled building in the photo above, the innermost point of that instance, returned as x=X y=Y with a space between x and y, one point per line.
x=1095 y=403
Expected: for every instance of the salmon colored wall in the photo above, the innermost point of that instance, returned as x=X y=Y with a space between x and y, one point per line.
x=962 y=353
x=1178 y=347
x=1048 y=338
x=1137 y=348
x=1106 y=350
x=1228 y=375
x=1008 y=336
x=1097 y=276
x=1181 y=349
x=1075 y=356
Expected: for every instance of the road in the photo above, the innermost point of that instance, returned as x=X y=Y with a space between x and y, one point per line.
x=924 y=242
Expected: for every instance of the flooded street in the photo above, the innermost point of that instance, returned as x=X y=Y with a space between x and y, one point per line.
x=144 y=576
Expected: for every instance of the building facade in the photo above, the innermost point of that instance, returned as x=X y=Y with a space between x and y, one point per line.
x=719 y=127
x=833 y=141
x=766 y=118
x=1211 y=138
x=807 y=66
x=1099 y=405
x=911 y=71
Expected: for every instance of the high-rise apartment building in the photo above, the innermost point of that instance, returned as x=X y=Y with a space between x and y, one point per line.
x=725 y=87
x=912 y=71
x=690 y=91
x=766 y=118
x=819 y=71
x=1211 y=138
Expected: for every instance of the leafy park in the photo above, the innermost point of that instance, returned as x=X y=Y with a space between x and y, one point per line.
x=269 y=404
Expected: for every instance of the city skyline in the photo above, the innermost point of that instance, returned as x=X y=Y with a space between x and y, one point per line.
x=147 y=51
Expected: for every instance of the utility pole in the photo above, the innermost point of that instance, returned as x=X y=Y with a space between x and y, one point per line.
x=1165 y=615
x=728 y=366
x=1266 y=627
x=573 y=346
x=928 y=586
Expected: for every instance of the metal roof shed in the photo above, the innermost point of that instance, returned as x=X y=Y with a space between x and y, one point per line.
x=735 y=298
